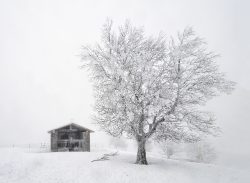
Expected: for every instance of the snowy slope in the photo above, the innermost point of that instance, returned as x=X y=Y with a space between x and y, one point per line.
x=66 y=167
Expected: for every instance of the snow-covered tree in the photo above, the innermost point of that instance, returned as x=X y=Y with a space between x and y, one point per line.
x=167 y=147
x=118 y=143
x=201 y=151
x=149 y=145
x=151 y=87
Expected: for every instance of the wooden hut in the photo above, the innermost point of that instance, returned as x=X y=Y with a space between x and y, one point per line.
x=71 y=137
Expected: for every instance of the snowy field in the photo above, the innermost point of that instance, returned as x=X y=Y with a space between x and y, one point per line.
x=26 y=166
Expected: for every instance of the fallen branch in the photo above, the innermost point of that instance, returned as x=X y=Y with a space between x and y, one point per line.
x=105 y=157
x=112 y=154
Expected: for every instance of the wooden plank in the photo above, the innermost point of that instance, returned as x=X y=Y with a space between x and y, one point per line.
x=68 y=130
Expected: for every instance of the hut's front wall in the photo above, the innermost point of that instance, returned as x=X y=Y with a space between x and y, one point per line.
x=70 y=141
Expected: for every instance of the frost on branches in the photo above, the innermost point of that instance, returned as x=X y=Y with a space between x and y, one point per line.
x=152 y=87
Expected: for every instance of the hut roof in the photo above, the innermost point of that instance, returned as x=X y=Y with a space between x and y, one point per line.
x=74 y=125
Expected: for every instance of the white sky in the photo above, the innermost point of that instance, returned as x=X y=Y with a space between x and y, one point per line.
x=42 y=87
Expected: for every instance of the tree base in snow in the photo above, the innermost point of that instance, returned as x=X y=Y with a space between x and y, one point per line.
x=141 y=162
x=141 y=154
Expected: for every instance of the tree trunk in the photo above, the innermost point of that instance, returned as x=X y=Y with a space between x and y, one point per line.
x=141 y=153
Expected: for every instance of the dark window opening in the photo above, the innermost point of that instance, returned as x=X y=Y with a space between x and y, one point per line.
x=65 y=136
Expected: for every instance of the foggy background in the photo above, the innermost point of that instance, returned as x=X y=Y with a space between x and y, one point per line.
x=42 y=86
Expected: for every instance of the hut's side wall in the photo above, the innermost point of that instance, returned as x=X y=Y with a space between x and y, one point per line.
x=86 y=141
x=53 y=143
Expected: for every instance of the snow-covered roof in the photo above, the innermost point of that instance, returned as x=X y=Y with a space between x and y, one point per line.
x=72 y=124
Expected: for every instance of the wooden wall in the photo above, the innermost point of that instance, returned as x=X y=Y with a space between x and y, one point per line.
x=53 y=142
x=83 y=146
x=86 y=141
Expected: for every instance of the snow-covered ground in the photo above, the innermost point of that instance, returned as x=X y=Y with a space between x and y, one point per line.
x=26 y=166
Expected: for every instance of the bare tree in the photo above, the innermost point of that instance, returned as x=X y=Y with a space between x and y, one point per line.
x=151 y=87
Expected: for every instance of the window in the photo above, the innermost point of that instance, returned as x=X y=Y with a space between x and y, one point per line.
x=65 y=136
